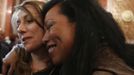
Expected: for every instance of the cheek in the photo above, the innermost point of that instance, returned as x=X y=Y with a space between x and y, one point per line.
x=61 y=56
x=68 y=39
x=36 y=41
x=63 y=51
x=38 y=33
x=39 y=36
x=67 y=48
x=67 y=42
x=64 y=47
x=68 y=34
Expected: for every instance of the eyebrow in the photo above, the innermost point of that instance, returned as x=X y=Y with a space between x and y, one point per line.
x=26 y=16
x=29 y=13
x=49 y=20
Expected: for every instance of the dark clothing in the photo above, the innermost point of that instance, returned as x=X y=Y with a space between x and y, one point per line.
x=54 y=71
x=4 y=49
x=109 y=63
x=0 y=66
x=41 y=73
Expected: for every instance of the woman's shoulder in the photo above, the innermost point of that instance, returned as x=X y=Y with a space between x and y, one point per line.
x=110 y=63
x=100 y=72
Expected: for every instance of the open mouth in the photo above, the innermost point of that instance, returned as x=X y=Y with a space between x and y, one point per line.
x=51 y=48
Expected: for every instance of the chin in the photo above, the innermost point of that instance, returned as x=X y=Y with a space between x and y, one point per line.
x=55 y=61
x=28 y=49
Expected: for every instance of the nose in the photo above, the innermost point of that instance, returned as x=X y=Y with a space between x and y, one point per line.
x=45 y=38
x=21 y=28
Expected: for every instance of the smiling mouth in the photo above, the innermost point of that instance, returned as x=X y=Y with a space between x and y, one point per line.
x=51 y=48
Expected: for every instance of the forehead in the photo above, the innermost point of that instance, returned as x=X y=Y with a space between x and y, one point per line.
x=20 y=13
x=17 y=14
x=32 y=9
x=27 y=10
x=54 y=11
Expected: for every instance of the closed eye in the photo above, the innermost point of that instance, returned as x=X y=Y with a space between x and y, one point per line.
x=18 y=23
x=49 y=24
x=29 y=19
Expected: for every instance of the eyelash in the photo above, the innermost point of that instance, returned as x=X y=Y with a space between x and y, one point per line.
x=29 y=21
x=18 y=23
x=48 y=26
x=26 y=21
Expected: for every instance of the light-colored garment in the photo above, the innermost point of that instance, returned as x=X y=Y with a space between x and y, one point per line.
x=109 y=63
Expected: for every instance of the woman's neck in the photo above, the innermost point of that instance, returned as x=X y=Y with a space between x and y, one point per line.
x=40 y=60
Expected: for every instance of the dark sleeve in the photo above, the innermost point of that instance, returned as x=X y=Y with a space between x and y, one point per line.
x=0 y=65
x=103 y=72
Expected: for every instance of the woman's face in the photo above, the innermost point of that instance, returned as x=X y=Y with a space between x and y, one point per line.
x=59 y=35
x=29 y=31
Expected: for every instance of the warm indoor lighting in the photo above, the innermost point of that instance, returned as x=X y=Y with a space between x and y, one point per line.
x=118 y=0
x=9 y=11
x=127 y=16
x=0 y=29
x=44 y=0
x=47 y=0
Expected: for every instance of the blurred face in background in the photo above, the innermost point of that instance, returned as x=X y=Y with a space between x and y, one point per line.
x=28 y=28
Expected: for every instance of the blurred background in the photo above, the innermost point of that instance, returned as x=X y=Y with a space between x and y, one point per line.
x=122 y=11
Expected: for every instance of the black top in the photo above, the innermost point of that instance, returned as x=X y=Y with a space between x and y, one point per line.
x=41 y=73
x=53 y=71
x=4 y=49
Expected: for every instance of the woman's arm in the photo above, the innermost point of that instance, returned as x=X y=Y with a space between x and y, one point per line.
x=9 y=61
x=102 y=73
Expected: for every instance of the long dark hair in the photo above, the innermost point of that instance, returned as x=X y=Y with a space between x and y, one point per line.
x=95 y=29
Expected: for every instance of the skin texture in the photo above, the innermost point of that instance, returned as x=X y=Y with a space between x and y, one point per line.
x=31 y=34
x=59 y=35
x=10 y=56
x=28 y=28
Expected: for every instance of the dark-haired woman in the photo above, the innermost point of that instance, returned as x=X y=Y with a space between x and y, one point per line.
x=78 y=32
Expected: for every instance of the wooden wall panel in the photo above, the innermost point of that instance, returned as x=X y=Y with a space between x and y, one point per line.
x=2 y=14
x=117 y=7
x=8 y=31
